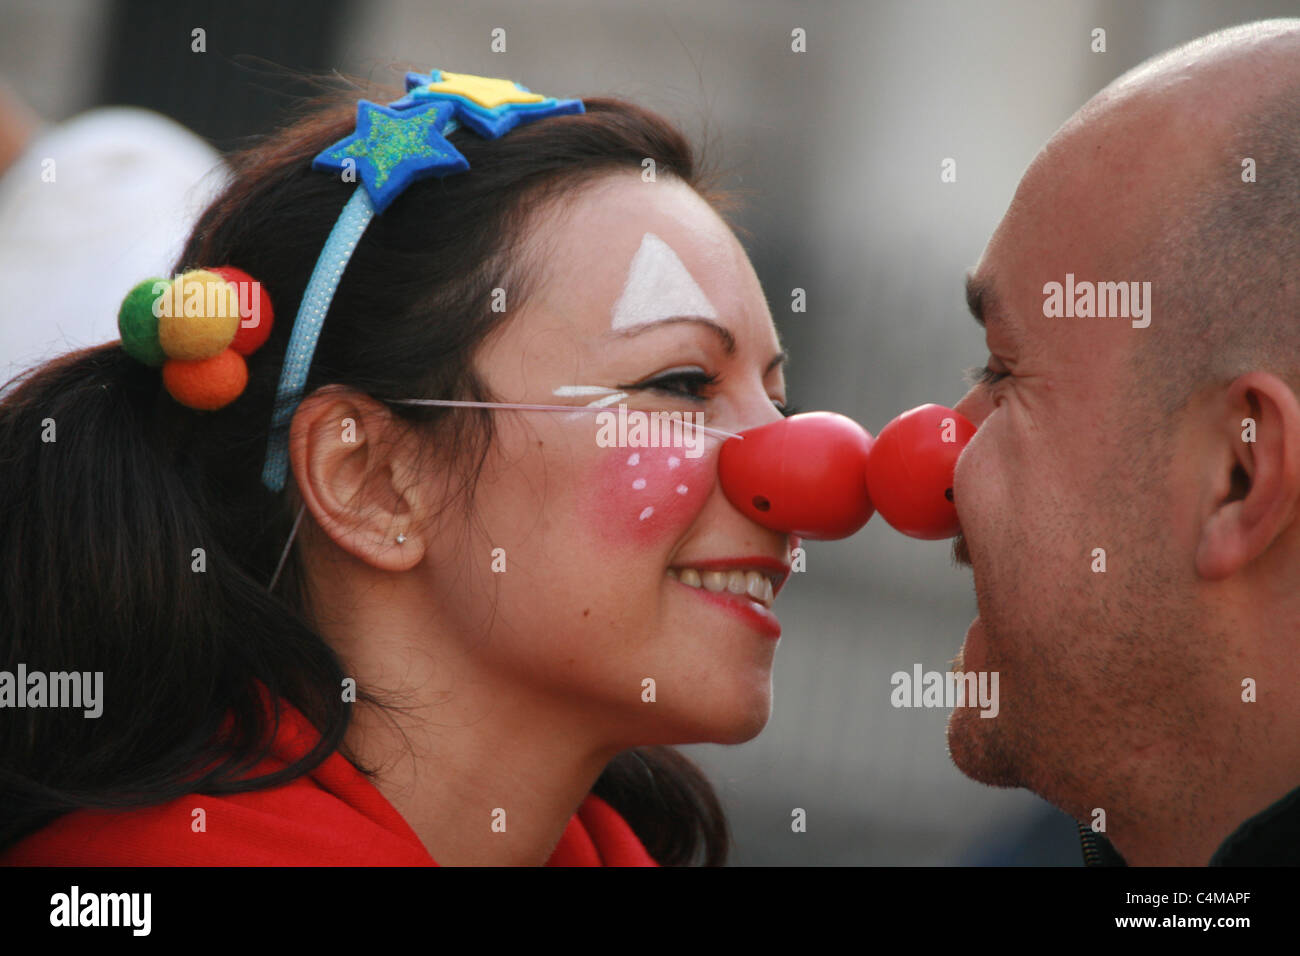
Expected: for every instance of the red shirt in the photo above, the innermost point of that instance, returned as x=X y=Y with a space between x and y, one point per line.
x=333 y=816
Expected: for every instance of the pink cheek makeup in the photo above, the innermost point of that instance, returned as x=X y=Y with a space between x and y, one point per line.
x=644 y=498
x=647 y=495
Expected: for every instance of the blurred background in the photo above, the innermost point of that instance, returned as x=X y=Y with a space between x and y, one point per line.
x=837 y=150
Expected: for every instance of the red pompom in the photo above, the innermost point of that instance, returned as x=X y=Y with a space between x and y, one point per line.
x=254 y=330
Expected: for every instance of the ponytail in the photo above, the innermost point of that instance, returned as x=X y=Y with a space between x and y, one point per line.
x=111 y=568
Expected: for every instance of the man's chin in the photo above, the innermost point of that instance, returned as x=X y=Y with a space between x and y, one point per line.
x=978 y=748
x=979 y=745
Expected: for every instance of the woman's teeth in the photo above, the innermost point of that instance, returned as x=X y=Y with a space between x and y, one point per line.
x=755 y=584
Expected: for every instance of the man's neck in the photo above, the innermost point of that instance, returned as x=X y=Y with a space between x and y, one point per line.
x=1184 y=824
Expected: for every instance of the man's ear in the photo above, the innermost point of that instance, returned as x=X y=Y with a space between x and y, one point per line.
x=1256 y=496
x=341 y=449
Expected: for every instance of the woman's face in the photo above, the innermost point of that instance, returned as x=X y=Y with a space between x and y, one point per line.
x=643 y=291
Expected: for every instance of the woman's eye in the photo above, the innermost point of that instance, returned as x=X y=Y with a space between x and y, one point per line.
x=686 y=383
x=983 y=375
x=691 y=383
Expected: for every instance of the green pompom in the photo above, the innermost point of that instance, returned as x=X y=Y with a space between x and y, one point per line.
x=138 y=325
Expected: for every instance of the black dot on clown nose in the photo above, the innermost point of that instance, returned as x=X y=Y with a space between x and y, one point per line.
x=948 y=493
x=761 y=503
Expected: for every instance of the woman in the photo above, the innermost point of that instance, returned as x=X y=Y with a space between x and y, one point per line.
x=525 y=617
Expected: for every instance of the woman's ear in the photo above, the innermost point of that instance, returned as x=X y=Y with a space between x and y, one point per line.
x=1257 y=489
x=343 y=449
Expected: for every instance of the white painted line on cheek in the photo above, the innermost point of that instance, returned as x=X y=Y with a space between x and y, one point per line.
x=573 y=391
x=658 y=287
x=608 y=396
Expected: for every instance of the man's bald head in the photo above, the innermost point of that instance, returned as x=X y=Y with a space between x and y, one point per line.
x=1225 y=262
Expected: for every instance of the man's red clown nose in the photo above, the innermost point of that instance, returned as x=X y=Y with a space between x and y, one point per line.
x=821 y=475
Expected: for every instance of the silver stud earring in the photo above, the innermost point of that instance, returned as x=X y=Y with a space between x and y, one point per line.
x=401 y=539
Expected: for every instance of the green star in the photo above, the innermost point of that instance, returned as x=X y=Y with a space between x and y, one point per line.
x=392 y=140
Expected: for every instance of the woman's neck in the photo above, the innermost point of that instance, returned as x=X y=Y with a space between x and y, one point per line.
x=485 y=774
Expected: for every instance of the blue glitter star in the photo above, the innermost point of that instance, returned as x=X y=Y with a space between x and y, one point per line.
x=392 y=148
x=489 y=121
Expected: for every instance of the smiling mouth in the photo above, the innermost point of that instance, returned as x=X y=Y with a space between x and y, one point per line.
x=758 y=586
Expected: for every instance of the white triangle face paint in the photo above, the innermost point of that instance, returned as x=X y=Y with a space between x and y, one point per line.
x=658 y=287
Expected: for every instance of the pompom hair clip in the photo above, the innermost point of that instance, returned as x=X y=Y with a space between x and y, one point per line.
x=195 y=328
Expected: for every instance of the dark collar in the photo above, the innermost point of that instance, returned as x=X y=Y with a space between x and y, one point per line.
x=1269 y=838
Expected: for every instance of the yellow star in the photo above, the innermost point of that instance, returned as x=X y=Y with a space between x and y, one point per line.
x=485 y=91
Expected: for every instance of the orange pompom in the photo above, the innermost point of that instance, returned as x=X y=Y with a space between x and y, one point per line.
x=206 y=384
x=200 y=318
x=252 y=296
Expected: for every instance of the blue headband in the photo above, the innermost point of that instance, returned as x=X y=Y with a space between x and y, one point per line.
x=392 y=147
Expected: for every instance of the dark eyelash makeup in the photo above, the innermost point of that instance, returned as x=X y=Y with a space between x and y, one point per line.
x=692 y=382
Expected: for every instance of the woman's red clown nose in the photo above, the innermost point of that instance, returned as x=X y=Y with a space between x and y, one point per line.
x=821 y=475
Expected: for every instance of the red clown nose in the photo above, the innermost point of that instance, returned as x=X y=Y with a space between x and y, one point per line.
x=803 y=475
x=821 y=475
x=910 y=470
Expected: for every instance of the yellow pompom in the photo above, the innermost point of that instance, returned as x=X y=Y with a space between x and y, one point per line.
x=199 y=318
x=206 y=384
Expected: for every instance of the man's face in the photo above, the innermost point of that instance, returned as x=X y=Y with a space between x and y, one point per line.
x=1066 y=471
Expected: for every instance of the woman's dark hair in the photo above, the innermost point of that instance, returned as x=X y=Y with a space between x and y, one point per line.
x=108 y=486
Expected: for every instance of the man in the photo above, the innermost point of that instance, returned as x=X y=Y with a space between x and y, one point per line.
x=1130 y=504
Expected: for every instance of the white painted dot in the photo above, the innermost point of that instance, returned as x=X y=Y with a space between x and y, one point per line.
x=673 y=462
x=681 y=489
x=634 y=459
x=639 y=484
x=647 y=513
